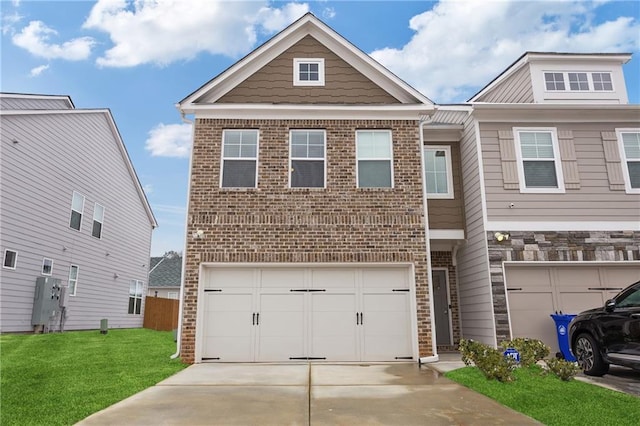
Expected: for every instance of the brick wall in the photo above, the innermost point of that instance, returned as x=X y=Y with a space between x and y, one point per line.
x=274 y=223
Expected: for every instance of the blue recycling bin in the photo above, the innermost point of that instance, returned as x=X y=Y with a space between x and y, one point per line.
x=562 y=330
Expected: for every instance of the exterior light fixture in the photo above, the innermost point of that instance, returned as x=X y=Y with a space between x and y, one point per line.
x=502 y=236
x=198 y=235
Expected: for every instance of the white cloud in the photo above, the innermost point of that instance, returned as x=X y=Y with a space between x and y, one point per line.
x=9 y=21
x=329 y=13
x=38 y=70
x=459 y=46
x=164 y=31
x=35 y=39
x=169 y=140
x=148 y=189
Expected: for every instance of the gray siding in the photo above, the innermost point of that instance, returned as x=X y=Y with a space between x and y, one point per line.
x=592 y=201
x=56 y=154
x=273 y=83
x=474 y=283
x=448 y=213
x=515 y=89
x=9 y=102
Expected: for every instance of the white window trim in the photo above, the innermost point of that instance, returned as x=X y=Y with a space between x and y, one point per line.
x=450 y=194
x=15 y=260
x=324 y=158
x=623 y=159
x=556 y=159
x=100 y=221
x=567 y=85
x=390 y=159
x=174 y=294
x=75 y=287
x=296 y=71
x=44 y=260
x=223 y=158
x=81 y=211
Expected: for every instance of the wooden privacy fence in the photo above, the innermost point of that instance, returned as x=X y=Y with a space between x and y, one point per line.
x=160 y=314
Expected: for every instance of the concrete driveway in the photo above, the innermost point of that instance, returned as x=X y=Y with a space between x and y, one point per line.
x=621 y=379
x=307 y=394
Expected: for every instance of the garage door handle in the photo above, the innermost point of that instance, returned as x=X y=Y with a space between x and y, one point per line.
x=253 y=321
x=258 y=319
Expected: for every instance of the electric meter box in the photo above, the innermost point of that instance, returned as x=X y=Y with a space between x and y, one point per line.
x=46 y=300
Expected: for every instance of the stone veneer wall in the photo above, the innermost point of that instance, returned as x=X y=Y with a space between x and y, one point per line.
x=443 y=259
x=275 y=223
x=569 y=246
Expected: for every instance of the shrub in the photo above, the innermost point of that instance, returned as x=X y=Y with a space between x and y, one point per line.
x=491 y=362
x=563 y=369
x=531 y=350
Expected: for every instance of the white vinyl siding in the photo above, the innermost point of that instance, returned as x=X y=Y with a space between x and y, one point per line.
x=438 y=172
x=10 y=259
x=538 y=160
x=98 y=220
x=629 y=144
x=307 y=163
x=77 y=208
x=308 y=72
x=47 y=266
x=239 y=159
x=135 y=297
x=375 y=159
x=73 y=279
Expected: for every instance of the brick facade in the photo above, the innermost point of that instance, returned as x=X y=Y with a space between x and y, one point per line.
x=443 y=259
x=274 y=223
x=571 y=246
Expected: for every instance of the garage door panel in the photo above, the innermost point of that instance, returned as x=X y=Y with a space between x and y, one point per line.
x=282 y=326
x=230 y=278
x=622 y=277
x=280 y=277
x=384 y=278
x=228 y=332
x=222 y=348
x=333 y=326
x=391 y=348
x=386 y=302
x=582 y=277
x=537 y=306
x=530 y=278
x=331 y=278
x=576 y=302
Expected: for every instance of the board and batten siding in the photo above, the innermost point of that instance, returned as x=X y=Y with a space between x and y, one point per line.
x=515 y=89
x=590 y=199
x=55 y=154
x=474 y=283
x=273 y=83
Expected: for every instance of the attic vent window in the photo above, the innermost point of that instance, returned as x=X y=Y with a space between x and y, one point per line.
x=308 y=72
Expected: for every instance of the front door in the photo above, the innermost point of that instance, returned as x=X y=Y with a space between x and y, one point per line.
x=441 y=307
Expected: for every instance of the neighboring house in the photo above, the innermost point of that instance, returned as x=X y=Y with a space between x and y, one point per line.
x=165 y=274
x=336 y=213
x=72 y=209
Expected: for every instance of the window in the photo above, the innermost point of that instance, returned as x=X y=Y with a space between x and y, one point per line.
x=98 y=219
x=172 y=294
x=308 y=72
x=10 y=259
x=602 y=81
x=135 y=297
x=77 y=207
x=554 y=80
x=239 y=159
x=73 y=280
x=438 y=172
x=307 y=164
x=629 y=143
x=539 y=167
x=47 y=266
x=578 y=81
x=375 y=157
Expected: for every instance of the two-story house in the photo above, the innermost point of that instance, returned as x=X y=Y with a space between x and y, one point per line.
x=336 y=213
x=72 y=209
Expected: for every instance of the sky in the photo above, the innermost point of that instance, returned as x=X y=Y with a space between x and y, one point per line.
x=139 y=58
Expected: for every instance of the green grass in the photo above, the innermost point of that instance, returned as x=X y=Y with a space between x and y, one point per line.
x=61 y=378
x=552 y=401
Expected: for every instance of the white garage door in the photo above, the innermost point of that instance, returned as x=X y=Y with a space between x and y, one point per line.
x=317 y=313
x=536 y=291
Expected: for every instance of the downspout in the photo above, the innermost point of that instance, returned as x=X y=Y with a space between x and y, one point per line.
x=434 y=357
x=184 y=252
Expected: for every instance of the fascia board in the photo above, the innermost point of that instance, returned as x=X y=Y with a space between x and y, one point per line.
x=65 y=98
x=556 y=113
x=621 y=58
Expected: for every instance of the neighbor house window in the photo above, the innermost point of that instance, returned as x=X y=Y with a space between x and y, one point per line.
x=172 y=294
x=375 y=158
x=135 y=297
x=73 y=280
x=98 y=219
x=239 y=159
x=47 y=266
x=629 y=143
x=308 y=72
x=307 y=158
x=77 y=207
x=538 y=156
x=602 y=81
x=10 y=259
x=437 y=171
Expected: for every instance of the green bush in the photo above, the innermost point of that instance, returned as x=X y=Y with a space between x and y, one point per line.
x=565 y=370
x=491 y=362
x=531 y=350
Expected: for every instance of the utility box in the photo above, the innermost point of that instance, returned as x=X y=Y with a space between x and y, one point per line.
x=46 y=300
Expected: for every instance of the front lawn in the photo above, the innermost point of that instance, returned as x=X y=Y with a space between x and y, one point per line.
x=61 y=378
x=552 y=401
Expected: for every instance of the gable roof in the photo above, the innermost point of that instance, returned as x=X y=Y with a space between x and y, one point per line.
x=32 y=101
x=166 y=271
x=306 y=25
x=113 y=127
x=529 y=56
